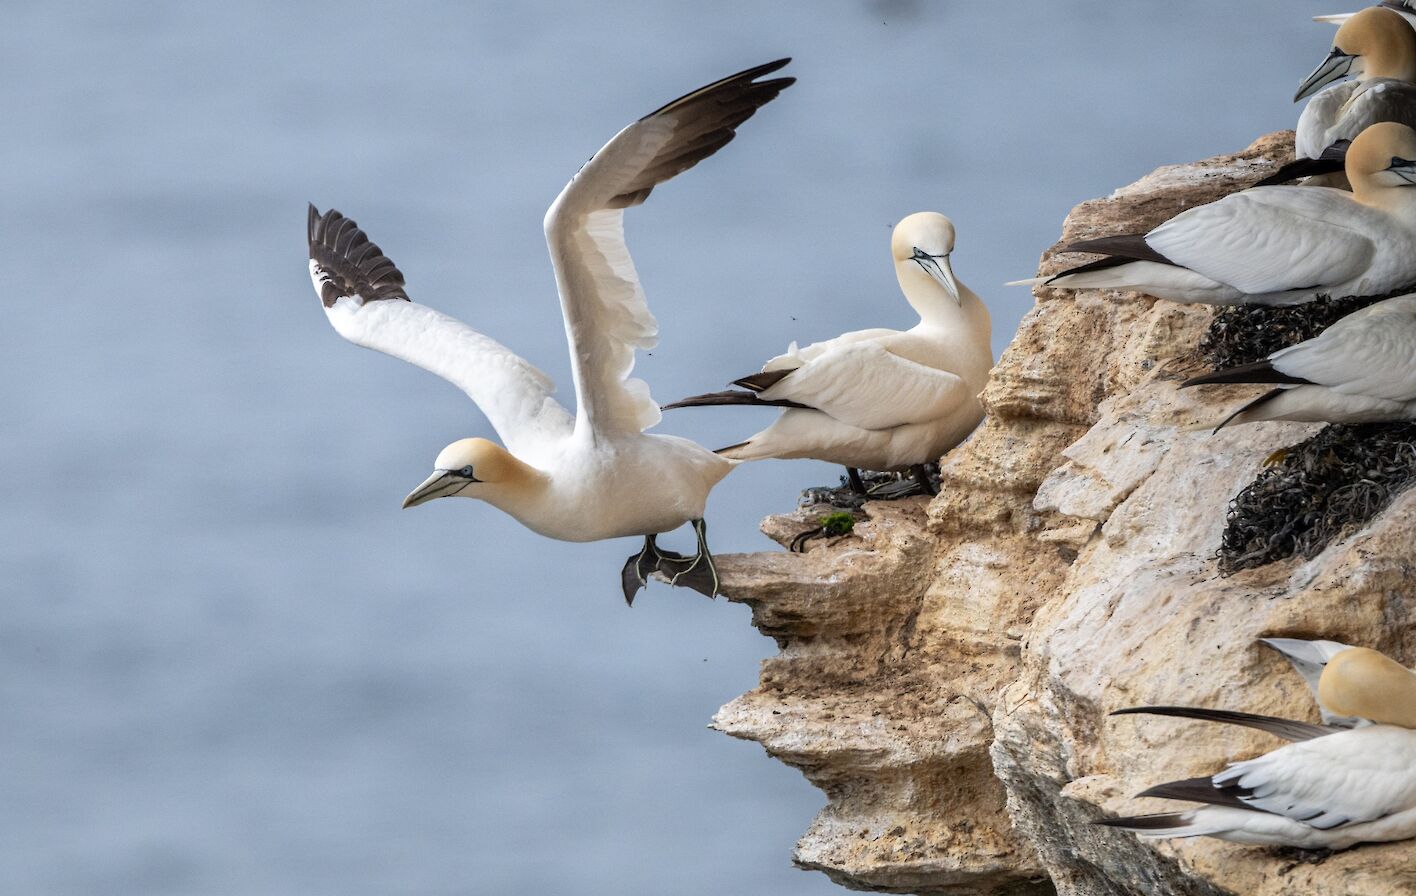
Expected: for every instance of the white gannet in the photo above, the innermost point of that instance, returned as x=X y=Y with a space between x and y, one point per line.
x=880 y=399
x=1330 y=789
x=1361 y=369
x=597 y=474
x=1404 y=8
x=1378 y=49
x=1276 y=245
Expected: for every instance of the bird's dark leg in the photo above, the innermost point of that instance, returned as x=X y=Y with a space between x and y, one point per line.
x=853 y=477
x=699 y=572
x=921 y=475
x=637 y=568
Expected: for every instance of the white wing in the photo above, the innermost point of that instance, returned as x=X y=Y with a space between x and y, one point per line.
x=794 y=357
x=1371 y=352
x=606 y=315
x=1344 y=778
x=1378 y=100
x=364 y=299
x=1271 y=239
x=867 y=386
x=1321 y=113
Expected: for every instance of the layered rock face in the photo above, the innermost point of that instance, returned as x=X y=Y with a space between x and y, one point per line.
x=946 y=670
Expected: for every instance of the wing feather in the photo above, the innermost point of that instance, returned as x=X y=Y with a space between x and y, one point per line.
x=364 y=298
x=866 y=386
x=1369 y=353
x=606 y=314
x=1270 y=239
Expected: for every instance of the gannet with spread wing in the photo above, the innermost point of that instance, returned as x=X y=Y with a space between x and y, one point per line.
x=880 y=399
x=1330 y=789
x=596 y=474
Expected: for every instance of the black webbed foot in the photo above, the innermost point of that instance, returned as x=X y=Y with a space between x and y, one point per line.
x=698 y=572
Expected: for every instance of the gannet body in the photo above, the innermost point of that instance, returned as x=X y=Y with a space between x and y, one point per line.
x=1331 y=789
x=595 y=474
x=1361 y=369
x=880 y=399
x=1276 y=245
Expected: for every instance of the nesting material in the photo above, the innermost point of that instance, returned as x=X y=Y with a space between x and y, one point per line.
x=1243 y=334
x=878 y=487
x=1320 y=490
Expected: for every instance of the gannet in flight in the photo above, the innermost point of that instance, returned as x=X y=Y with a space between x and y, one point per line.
x=1330 y=789
x=880 y=399
x=1361 y=369
x=1378 y=49
x=1404 y=8
x=597 y=474
x=1276 y=245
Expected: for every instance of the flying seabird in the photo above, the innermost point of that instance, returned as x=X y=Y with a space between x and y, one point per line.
x=596 y=474
x=1361 y=369
x=1378 y=49
x=1403 y=8
x=1276 y=245
x=880 y=399
x=1330 y=789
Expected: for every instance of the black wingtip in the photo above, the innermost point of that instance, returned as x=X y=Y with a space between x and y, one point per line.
x=350 y=263
x=1255 y=373
x=1157 y=822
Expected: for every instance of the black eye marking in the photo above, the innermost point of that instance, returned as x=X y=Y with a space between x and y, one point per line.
x=465 y=472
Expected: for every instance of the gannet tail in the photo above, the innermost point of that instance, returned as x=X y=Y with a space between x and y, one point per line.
x=1167 y=824
x=730 y=396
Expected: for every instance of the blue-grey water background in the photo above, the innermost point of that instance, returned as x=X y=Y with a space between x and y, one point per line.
x=229 y=663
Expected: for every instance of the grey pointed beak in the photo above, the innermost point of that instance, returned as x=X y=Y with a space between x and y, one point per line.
x=1337 y=65
x=439 y=485
x=938 y=267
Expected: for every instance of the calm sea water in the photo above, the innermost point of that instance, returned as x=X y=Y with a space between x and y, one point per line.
x=228 y=662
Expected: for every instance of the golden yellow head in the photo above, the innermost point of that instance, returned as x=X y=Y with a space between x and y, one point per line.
x=1364 y=683
x=1384 y=155
x=465 y=467
x=1374 y=43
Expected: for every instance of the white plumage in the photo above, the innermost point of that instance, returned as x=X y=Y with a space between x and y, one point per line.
x=1361 y=369
x=1402 y=7
x=596 y=474
x=1277 y=245
x=881 y=399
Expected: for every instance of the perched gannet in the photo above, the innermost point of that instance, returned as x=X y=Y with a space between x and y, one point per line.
x=1276 y=245
x=1404 y=8
x=1378 y=48
x=1361 y=369
x=1330 y=789
x=880 y=399
x=597 y=474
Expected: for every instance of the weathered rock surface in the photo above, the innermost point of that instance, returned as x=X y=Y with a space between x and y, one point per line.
x=946 y=670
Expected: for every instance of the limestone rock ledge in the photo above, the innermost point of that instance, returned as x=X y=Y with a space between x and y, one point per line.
x=945 y=671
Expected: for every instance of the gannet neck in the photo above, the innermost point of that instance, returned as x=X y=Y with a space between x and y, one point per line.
x=1383 y=40
x=1363 y=683
x=934 y=305
x=1381 y=165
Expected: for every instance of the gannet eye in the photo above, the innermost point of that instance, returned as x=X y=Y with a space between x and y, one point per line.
x=465 y=472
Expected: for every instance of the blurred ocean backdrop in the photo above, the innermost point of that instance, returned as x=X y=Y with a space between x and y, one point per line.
x=229 y=663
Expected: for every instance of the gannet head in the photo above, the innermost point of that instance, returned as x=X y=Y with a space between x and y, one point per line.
x=1374 y=43
x=470 y=468
x=1383 y=155
x=1363 y=683
x=927 y=239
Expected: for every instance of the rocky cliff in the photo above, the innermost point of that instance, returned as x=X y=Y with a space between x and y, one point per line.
x=946 y=670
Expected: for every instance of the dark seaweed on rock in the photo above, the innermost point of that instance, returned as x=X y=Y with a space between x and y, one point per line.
x=880 y=487
x=1321 y=490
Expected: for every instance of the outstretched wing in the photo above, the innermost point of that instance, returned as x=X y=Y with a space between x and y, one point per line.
x=1268 y=239
x=364 y=298
x=606 y=315
x=867 y=386
x=1368 y=353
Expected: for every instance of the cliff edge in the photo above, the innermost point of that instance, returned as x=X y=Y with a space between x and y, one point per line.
x=946 y=670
